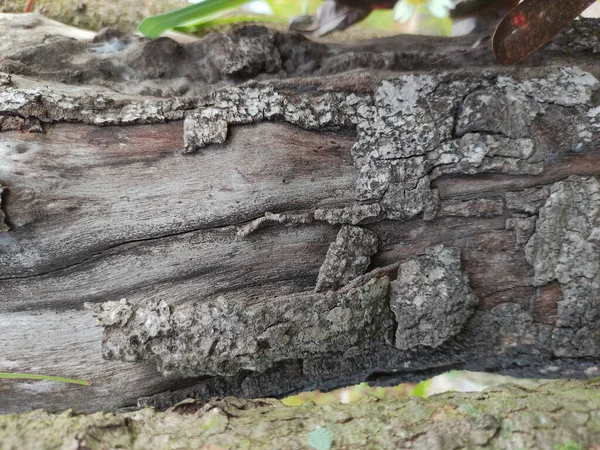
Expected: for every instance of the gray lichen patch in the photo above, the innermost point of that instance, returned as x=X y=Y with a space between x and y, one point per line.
x=566 y=86
x=477 y=153
x=347 y=258
x=63 y=103
x=581 y=36
x=491 y=110
x=413 y=128
x=566 y=247
x=431 y=299
x=218 y=337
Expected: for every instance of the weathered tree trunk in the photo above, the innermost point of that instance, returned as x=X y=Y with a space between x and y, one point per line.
x=254 y=214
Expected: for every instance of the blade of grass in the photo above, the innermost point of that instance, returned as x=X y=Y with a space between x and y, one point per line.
x=218 y=21
x=31 y=376
x=154 y=26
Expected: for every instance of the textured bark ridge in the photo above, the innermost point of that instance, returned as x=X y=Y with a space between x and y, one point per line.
x=271 y=220
x=347 y=258
x=218 y=338
x=564 y=248
x=431 y=299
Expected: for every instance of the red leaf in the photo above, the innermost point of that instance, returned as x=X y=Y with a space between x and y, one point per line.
x=532 y=24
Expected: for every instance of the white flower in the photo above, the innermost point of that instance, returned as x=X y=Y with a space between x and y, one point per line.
x=440 y=8
x=404 y=9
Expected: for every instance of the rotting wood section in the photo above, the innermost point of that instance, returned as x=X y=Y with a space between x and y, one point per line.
x=195 y=228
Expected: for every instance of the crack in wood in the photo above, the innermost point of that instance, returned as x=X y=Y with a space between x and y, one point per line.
x=4 y=223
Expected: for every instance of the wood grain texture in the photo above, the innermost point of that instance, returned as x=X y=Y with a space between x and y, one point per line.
x=103 y=213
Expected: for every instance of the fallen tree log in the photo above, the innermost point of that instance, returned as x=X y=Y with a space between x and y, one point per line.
x=255 y=214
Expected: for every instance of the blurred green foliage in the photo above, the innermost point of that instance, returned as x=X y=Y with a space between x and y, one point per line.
x=455 y=380
x=201 y=16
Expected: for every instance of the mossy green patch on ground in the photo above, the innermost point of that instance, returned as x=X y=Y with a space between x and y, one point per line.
x=502 y=417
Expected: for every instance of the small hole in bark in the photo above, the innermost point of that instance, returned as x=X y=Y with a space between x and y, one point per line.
x=263 y=345
x=21 y=148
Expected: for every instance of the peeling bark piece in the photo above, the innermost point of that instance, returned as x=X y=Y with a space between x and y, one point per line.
x=200 y=130
x=352 y=215
x=3 y=225
x=221 y=338
x=5 y=79
x=479 y=207
x=394 y=135
x=528 y=200
x=347 y=258
x=85 y=104
x=522 y=226
x=12 y=123
x=287 y=218
x=477 y=153
x=565 y=244
x=566 y=247
x=492 y=111
x=566 y=86
x=111 y=313
x=230 y=106
x=431 y=299
x=402 y=203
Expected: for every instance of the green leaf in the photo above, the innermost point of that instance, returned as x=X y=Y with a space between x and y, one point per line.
x=320 y=439
x=422 y=389
x=569 y=445
x=291 y=8
x=30 y=376
x=154 y=26
x=209 y=22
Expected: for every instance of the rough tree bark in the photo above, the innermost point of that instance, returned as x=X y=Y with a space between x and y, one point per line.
x=254 y=214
